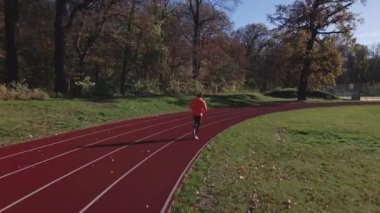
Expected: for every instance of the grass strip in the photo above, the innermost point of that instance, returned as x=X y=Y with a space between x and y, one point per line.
x=318 y=160
x=25 y=120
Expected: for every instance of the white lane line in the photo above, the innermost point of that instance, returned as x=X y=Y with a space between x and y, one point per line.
x=96 y=142
x=180 y=178
x=143 y=161
x=88 y=134
x=127 y=173
x=80 y=168
x=74 y=150
x=76 y=137
x=87 y=164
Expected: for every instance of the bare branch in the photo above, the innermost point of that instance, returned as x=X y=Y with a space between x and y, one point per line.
x=76 y=9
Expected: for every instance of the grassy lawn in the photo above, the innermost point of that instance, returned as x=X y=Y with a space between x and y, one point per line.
x=318 y=160
x=25 y=120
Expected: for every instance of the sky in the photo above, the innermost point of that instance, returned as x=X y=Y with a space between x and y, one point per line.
x=256 y=11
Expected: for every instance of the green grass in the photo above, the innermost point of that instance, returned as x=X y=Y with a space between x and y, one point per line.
x=316 y=160
x=25 y=120
x=292 y=93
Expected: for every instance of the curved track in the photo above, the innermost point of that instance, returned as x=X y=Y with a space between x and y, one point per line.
x=129 y=166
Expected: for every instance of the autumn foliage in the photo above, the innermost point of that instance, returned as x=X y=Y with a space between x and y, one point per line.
x=93 y=47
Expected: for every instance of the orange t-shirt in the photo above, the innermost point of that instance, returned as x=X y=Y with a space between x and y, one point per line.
x=198 y=107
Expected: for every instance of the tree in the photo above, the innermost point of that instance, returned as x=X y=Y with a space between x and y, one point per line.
x=89 y=27
x=255 y=38
x=224 y=68
x=357 y=65
x=61 y=81
x=202 y=12
x=326 y=64
x=177 y=46
x=159 y=11
x=224 y=64
x=35 y=42
x=3 y=74
x=128 y=56
x=65 y=14
x=374 y=64
x=11 y=17
x=317 y=19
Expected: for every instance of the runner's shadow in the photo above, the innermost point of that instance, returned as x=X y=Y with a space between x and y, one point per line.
x=134 y=143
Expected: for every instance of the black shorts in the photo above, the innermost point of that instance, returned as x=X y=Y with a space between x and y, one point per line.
x=197 y=120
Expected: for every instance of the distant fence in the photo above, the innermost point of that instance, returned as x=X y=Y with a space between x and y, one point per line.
x=369 y=91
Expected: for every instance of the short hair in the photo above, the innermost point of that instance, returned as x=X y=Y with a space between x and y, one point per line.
x=199 y=95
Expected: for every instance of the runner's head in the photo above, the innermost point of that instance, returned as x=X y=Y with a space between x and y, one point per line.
x=199 y=95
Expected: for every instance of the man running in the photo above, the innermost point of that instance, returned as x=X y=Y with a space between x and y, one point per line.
x=199 y=107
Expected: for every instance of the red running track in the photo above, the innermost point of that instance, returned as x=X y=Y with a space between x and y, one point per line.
x=129 y=166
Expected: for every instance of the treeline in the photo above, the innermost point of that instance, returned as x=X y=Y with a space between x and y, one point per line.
x=103 y=47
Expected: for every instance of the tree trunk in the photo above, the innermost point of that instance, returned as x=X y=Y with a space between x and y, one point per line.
x=127 y=56
x=97 y=74
x=356 y=95
x=79 y=88
x=61 y=84
x=302 y=85
x=358 y=84
x=124 y=70
x=196 y=51
x=305 y=74
x=81 y=67
x=10 y=20
x=196 y=42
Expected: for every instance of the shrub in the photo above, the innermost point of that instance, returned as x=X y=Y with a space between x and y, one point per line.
x=86 y=86
x=283 y=93
x=292 y=93
x=174 y=88
x=38 y=94
x=184 y=87
x=146 y=87
x=3 y=90
x=103 y=88
x=20 y=91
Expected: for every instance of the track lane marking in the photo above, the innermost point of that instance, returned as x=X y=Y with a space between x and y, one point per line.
x=76 y=137
x=180 y=178
x=144 y=160
x=77 y=149
x=93 y=161
x=93 y=133
x=80 y=168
